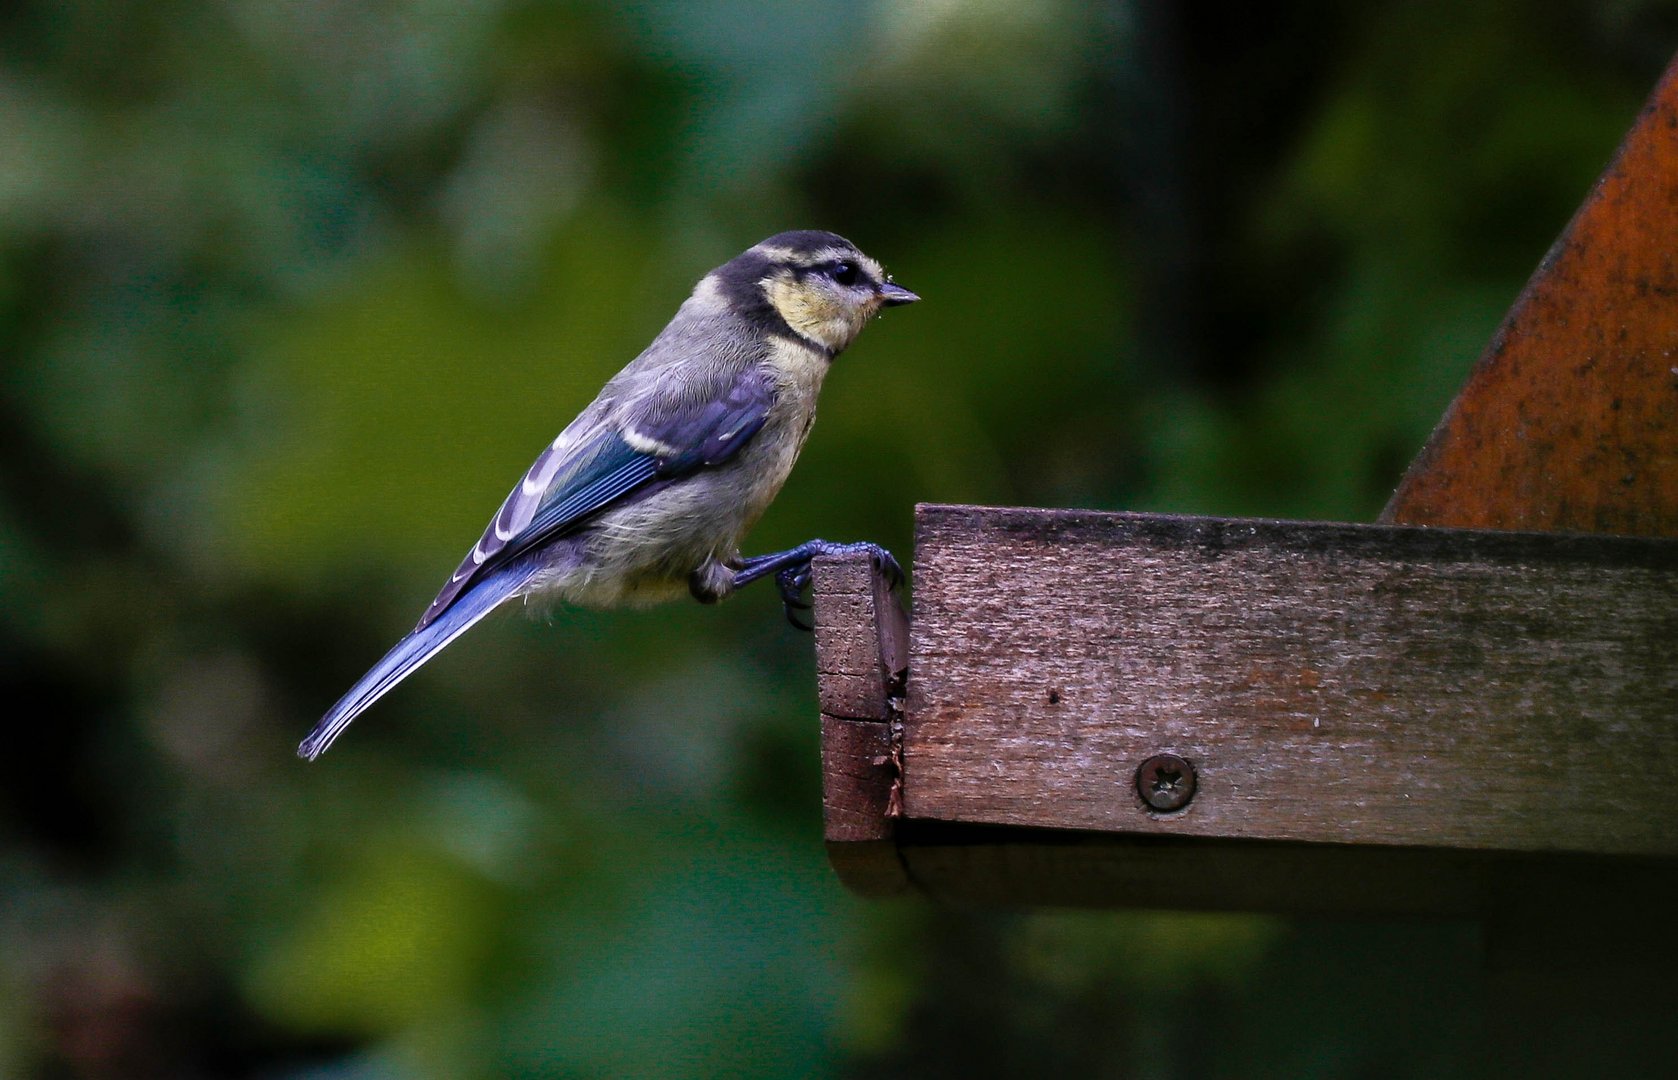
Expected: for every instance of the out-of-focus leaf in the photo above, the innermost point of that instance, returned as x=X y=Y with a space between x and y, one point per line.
x=397 y=945
x=388 y=421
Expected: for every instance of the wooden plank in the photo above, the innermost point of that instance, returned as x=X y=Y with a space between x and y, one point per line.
x=1570 y=418
x=1438 y=689
x=862 y=639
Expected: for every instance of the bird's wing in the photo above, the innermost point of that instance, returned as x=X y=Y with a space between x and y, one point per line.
x=661 y=436
x=600 y=461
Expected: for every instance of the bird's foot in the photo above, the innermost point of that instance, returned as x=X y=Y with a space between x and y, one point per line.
x=882 y=558
x=792 y=570
x=792 y=582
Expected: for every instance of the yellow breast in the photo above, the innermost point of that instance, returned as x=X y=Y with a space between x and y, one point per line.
x=798 y=371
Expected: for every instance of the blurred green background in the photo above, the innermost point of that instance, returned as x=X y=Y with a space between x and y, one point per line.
x=290 y=292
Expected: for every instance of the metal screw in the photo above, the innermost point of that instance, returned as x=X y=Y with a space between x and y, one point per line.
x=1165 y=782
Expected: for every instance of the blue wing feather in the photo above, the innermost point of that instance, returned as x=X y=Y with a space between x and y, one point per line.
x=620 y=470
x=588 y=477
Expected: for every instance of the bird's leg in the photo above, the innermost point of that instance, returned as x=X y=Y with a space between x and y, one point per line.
x=711 y=581
x=792 y=570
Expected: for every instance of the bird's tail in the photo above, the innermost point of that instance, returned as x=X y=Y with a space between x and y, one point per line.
x=482 y=598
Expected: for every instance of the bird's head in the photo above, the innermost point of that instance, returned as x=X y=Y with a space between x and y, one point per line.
x=816 y=284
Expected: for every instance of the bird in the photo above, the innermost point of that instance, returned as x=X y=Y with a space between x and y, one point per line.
x=648 y=493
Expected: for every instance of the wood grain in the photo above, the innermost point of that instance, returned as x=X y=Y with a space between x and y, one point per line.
x=861 y=652
x=862 y=638
x=1439 y=689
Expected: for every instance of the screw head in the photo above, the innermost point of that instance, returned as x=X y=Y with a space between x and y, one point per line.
x=1165 y=782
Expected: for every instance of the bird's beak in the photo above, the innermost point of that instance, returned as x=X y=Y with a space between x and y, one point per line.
x=894 y=295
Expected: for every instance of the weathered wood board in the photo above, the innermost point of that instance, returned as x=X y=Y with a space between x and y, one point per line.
x=862 y=642
x=1335 y=684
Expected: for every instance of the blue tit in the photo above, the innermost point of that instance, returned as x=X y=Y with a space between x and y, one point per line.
x=648 y=493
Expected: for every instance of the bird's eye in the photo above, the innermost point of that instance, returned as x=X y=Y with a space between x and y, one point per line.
x=845 y=273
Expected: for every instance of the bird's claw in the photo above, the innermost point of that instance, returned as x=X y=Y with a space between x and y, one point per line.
x=882 y=558
x=793 y=573
x=888 y=565
x=792 y=582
